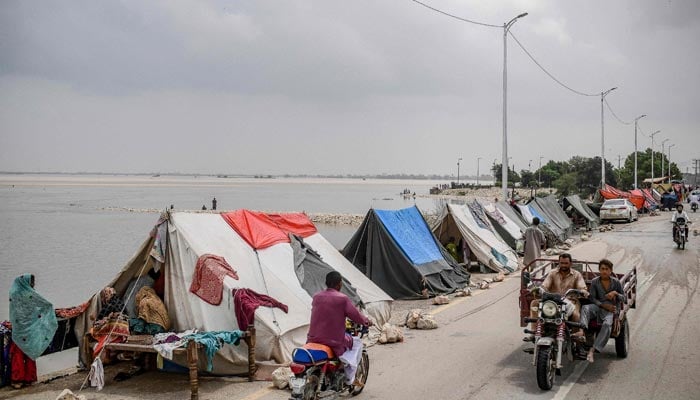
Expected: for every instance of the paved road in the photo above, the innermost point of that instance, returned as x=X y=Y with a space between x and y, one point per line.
x=477 y=352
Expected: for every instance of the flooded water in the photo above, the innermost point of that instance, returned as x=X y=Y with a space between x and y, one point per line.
x=74 y=233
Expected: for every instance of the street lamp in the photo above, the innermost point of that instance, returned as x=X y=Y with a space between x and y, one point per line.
x=669 y=161
x=504 y=172
x=458 y=160
x=477 y=170
x=602 y=137
x=635 y=148
x=663 y=154
x=539 y=174
x=652 y=156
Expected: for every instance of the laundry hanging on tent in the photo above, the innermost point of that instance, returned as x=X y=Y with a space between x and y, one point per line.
x=246 y=301
x=213 y=341
x=33 y=318
x=208 y=279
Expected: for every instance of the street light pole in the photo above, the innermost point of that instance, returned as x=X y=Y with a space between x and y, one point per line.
x=539 y=174
x=635 y=148
x=652 y=156
x=458 y=160
x=602 y=137
x=504 y=167
x=663 y=154
x=477 y=170
x=669 y=161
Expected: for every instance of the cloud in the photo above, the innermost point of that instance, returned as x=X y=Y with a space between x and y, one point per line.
x=556 y=28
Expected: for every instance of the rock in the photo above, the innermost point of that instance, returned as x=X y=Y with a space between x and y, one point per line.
x=549 y=251
x=281 y=377
x=569 y=242
x=68 y=395
x=412 y=318
x=500 y=277
x=484 y=285
x=427 y=322
x=390 y=334
x=437 y=300
x=602 y=229
x=463 y=292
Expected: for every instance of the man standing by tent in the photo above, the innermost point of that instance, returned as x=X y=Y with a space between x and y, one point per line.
x=534 y=242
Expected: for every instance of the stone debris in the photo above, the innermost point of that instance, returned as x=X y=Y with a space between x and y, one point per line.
x=552 y=252
x=390 y=334
x=604 y=228
x=66 y=394
x=416 y=319
x=585 y=237
x=463 y=292
x=484 y=285
x=281 y=377
x=569 y=242
x=438 y=300
x=500 y=277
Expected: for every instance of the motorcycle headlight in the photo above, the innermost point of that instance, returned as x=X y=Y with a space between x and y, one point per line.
x=549 y=309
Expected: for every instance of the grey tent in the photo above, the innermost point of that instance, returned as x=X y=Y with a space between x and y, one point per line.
x=581 y=208
x=555 y=218
x=397 y=251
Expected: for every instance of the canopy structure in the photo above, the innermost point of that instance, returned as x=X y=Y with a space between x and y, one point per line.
x=555 y=218
x=611 y=192
x=397 y=251
x=649 y=201
x=463 y=221
x=503 y=225
x=279 y=255
x=515 y=216
x=581 y=208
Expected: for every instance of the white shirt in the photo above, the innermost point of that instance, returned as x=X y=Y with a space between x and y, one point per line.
x=682 y=214
x=694 y=198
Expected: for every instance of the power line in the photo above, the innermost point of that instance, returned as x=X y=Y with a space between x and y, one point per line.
x=456 y=17
x=615 y=115
x=547 y=72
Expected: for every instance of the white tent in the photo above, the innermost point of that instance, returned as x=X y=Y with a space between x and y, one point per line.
x=488 y=247
x=264 y=262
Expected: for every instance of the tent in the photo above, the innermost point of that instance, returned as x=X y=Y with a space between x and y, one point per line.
x=489 y=249
x=397 y=251
x=554 y=217
x=502 y=224
x=266 y=251
x=581 y=208
x=611 y=192
x=515 y=216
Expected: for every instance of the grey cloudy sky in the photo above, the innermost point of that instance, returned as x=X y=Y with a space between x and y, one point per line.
x=335 y=86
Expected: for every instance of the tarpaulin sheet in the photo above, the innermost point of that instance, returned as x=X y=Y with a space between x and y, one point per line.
x=261 y=230
x=411 y=233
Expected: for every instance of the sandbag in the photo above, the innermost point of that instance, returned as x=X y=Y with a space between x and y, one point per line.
x=281 y=377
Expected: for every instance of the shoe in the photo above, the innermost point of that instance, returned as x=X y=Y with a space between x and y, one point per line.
x=589 y=358
x=17 y=385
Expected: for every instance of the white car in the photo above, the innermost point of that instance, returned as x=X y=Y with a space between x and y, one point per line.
x=618 y=209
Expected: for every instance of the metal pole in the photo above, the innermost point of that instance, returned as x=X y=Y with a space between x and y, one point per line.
x=635 y=148
x=477 y=170
x=663 y=155
x=504 y=166
x=669 y=162
x=458 y=160
x=602 y=137
x=652 y=156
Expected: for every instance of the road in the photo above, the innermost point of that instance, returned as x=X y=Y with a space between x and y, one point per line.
x=477 y=352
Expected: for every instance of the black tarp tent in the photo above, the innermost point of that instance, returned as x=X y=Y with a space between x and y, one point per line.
x=399 y=253
x=581 y=208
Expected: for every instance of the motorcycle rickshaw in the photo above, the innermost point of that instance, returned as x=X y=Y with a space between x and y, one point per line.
x=552 y=329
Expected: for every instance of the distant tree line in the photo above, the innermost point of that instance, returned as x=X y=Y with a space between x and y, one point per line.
x=581 y=175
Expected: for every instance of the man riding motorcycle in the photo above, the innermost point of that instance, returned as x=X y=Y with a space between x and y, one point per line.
x=679 y=213
x=694 y=199
x=559 y=280
x=329 y=309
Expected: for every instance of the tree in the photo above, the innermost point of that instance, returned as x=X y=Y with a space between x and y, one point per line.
x=528 y=178
x=566 y=184
x=512 y=175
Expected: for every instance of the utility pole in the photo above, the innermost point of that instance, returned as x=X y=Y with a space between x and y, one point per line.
x=602 y=137
x=669 y=162
x=635 y=148
x=619 y=157
x=652 y=156
x=458 y=160
x=478 y=159
x=696 y=163
x=663 y=156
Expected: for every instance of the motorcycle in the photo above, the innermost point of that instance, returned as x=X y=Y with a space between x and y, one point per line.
x=318 y=373
x=680 y=232
x=694 y=206
x=552 y=335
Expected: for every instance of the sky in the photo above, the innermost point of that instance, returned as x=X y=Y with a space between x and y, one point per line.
x=339 y=87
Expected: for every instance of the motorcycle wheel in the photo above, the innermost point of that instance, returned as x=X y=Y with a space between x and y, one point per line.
x=361 y=375
x=546 y=359
x=622 y=341
x=682 y=242
x=311 y=388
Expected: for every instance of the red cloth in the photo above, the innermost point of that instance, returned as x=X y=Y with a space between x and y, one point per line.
x=208 y=279
x=159 y=284
x=246 y=301
x=262 y=230
x=72 y=312
x=329 y=309
x=23 y=368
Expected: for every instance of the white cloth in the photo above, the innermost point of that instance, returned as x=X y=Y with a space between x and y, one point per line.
x=676 y=214
x=97 y=374
x=351 y=359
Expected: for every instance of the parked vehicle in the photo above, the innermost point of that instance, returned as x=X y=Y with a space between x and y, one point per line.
x=680 y=232
x=552 y=334
x=615 y=209
x=318 y=373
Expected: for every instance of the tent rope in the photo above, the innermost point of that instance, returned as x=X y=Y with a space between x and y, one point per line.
x=267 y=292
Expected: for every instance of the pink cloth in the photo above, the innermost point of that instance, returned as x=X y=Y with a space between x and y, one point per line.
x=246 y=301
x=329 y=309
x=208 y=279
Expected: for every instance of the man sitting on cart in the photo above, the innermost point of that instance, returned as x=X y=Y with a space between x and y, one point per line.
x=559 y=280
x=606 y=292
